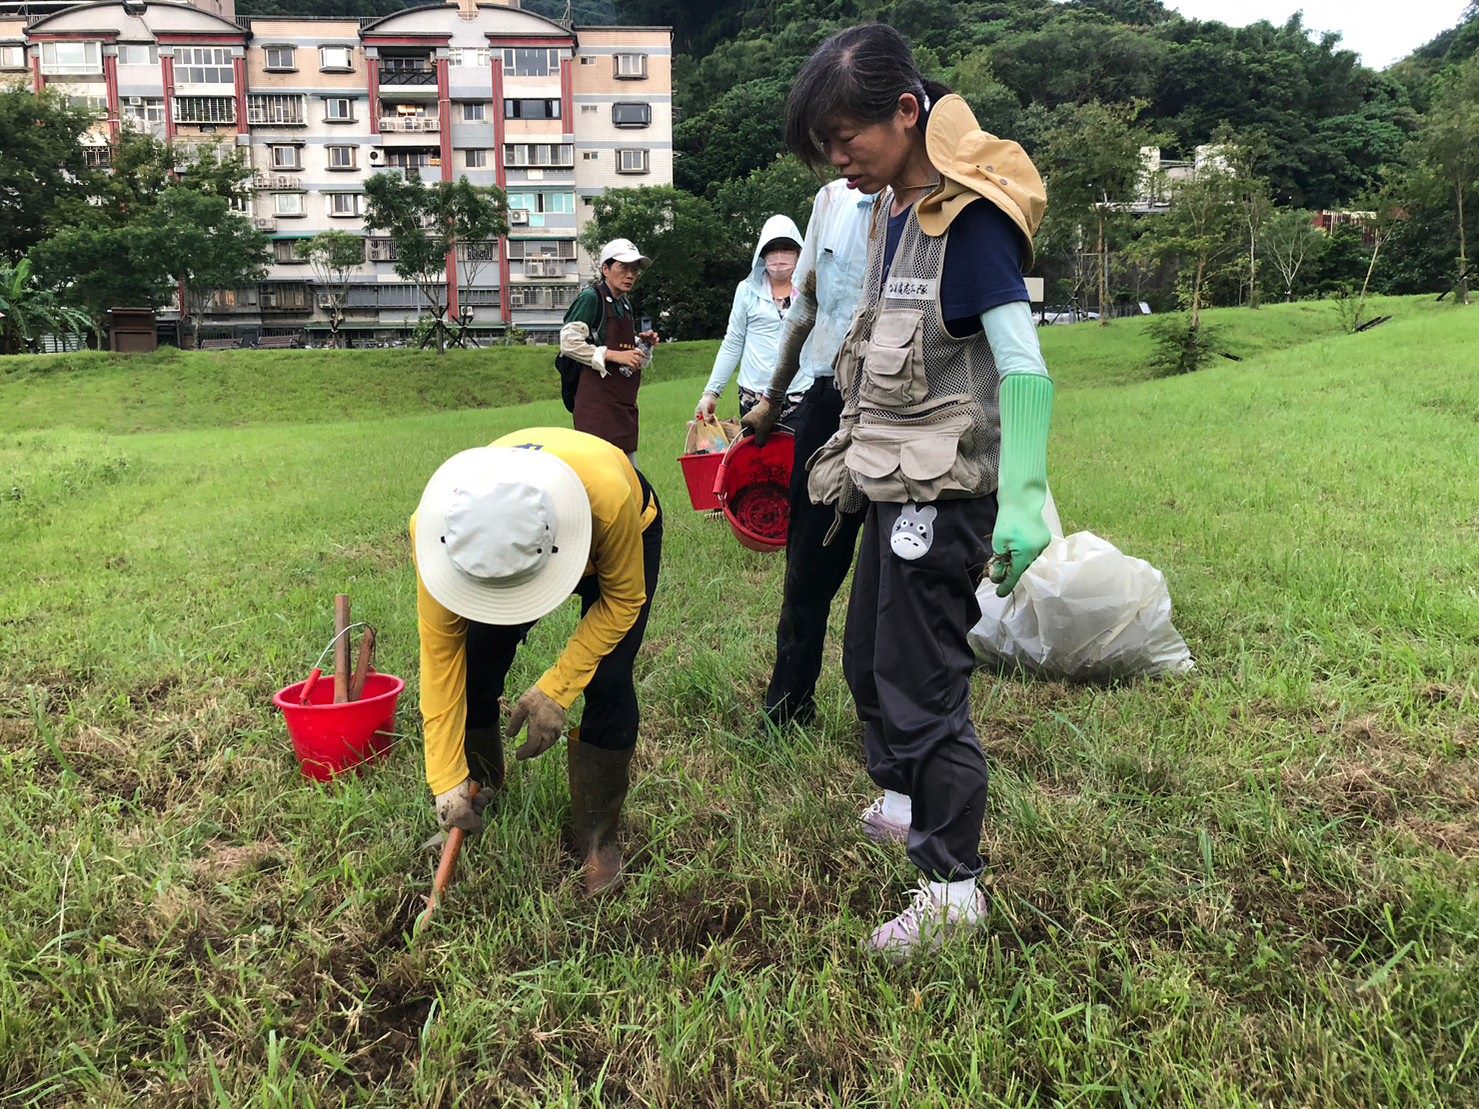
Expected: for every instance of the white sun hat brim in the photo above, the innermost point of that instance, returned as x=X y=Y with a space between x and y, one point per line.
x=536 y=596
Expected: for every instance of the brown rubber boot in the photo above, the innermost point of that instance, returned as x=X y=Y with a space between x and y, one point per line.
x=598 y=790
x=484 y=750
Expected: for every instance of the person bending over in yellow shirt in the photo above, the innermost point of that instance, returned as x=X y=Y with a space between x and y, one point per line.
x=503 y=535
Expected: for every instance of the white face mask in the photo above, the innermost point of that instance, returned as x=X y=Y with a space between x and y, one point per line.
x=781 y=264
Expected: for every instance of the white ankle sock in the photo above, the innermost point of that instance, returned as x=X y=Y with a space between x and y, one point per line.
x=897 y=807
x=960 y=896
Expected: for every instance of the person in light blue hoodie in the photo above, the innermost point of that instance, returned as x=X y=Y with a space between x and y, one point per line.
x=753 y=339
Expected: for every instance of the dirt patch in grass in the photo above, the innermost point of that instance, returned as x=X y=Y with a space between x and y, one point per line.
x=1386 y=786
x=220 y=862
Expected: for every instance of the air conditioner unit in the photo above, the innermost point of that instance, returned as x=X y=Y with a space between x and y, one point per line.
x=264 y=223
x=538 y=269
x=136 y=101
x=518 y=216
x=377 y=156
x=515 y=300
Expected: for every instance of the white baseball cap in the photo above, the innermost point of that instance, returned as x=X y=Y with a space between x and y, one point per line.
x=624 y=250
x=503 y=534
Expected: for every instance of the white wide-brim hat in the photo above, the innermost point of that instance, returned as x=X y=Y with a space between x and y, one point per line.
x=503 y=534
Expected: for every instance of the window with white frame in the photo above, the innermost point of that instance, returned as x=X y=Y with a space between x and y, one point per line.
x=588 y=59
x=97 y=157
x=281 y=59
x=71 y=57
x=475 y=159
x=138 y=53
x=631 y=114
x=381 y=250
x=345 y=204
x=341 y=157
x=287 y=204
x=93 y=105
x=536 y=61
x=474 y=111
x=554 y=203
x=273 y=110
x=591 y=155
x=339 y=109
x=332 y=58
x=205 y=109
x=288 y=251
x=538 y=154
x=470 y=56
x=146 y=113
x=531 y=108
x=203 y=65
x=630 y=67
x=286 y=156
x=12 y=56
x=632 y=161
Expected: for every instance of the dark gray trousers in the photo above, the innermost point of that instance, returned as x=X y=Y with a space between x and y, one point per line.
x=909 y=665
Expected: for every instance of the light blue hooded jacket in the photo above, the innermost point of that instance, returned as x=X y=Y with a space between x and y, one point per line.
x=752 y=341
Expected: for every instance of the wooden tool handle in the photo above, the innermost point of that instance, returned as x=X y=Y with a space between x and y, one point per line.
x=362 y=664
x=445 y=867
x=341 y=648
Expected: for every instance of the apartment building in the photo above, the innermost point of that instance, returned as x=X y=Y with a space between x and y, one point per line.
x=554 y=115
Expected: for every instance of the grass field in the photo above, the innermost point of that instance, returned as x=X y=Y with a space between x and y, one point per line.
x=1258 y=884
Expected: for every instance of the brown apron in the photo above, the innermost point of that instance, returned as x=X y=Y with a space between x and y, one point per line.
x=607 y=406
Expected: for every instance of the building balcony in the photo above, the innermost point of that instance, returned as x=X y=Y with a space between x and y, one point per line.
x=403 y=76
x=410 y=125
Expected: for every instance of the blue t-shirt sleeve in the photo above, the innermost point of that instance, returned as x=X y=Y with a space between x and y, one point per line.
x=983 y=266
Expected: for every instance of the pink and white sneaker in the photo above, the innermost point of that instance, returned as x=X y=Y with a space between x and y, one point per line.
x=879 y=828
x=926 y=924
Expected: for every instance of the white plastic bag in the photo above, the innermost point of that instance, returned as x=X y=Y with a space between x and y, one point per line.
x=1084 y=611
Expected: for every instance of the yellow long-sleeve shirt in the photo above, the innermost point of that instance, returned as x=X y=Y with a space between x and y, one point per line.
x=617 y=524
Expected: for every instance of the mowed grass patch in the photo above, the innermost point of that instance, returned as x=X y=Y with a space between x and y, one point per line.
x=1254 y=884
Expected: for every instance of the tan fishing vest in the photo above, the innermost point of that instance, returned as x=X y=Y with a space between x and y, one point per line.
x=920 y=419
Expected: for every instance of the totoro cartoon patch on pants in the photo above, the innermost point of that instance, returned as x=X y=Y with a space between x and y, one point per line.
x=914 y=532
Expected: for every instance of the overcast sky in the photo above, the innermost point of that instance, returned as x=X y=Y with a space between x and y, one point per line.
x=1381 y=31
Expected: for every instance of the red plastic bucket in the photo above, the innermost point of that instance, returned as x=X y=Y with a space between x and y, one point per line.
x=753 y=487
x=700 y=471
x=330 y=739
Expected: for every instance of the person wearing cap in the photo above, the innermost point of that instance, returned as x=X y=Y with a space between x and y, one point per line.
x=502 y=536
x=752 y=339
x=599 y=332
x=942 y=441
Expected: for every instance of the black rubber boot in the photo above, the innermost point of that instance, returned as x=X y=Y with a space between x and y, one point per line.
x=598 y=789
x=484 y=750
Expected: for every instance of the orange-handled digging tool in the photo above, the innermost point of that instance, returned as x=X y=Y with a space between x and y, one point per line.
x=448 y=863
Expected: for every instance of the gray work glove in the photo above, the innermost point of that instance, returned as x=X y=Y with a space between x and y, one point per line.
x=762 y=419
x=458 y=808
x=545 y=718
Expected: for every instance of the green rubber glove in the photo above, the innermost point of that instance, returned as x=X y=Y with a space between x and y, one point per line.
x=1022 y=482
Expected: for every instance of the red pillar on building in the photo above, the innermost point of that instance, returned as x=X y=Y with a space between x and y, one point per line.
x=444 y=129
x=500 y=128
x=238 y=66
x=167 y=73
x=373 y=65
x=110 y=86
x=567 y=95
x=38 y=82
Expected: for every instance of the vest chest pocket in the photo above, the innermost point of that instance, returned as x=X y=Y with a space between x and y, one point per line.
x=893 y=364
x=915 y=461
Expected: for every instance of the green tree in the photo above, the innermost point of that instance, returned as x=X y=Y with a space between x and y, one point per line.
x=425 y=223
x=334 y=256
x=211 y=248
x=97 y=267
x=28 y=311
x=44 y=179
x=691 y=280
x=1449 y=145
x=738 y=135
x=785 y=186
x=1092 y=163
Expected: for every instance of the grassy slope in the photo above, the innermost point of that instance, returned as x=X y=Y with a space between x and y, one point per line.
x=1253 y=884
